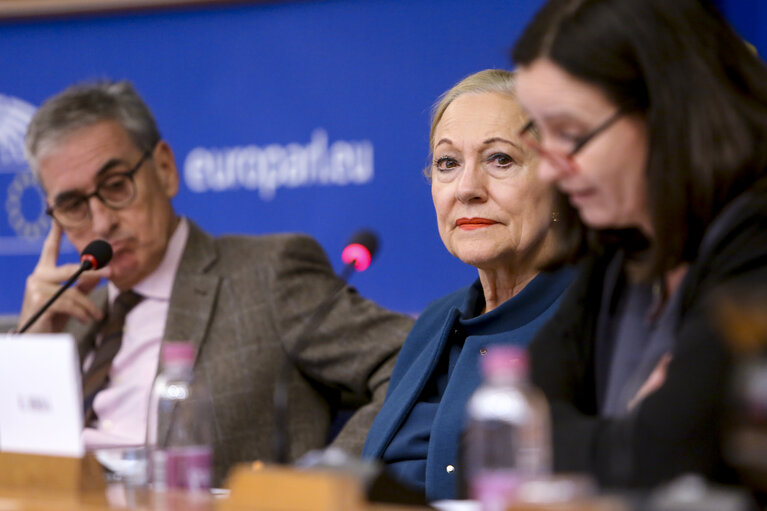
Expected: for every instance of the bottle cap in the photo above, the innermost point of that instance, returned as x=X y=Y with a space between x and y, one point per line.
x=506 y=359
x=178 y=352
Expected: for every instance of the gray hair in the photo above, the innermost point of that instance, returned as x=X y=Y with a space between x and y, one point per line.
x=83 y=105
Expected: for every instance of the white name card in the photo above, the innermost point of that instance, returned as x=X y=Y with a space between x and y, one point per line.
x=41 y=409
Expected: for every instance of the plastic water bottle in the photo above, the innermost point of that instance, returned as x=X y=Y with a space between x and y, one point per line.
x=179 y=429
x=507 y=440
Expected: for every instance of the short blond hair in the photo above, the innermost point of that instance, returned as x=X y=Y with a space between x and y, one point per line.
x=488 y=80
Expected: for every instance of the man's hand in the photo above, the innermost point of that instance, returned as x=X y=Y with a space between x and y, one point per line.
x=46 y=279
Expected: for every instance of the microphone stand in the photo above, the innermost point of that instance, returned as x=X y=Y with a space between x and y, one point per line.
x=281 y=404
x=96 y=254
x=86 y=265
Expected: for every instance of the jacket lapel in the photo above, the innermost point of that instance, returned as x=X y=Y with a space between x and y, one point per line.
x=402 y=397
x=194 y=294
x=194 y=290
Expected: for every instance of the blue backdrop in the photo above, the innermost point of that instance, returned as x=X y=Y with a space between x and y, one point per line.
x=299 y=116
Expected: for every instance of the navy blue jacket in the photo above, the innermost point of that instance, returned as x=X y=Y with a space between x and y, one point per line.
x=514 y=322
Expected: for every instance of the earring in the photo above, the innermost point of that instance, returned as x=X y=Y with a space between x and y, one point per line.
x=554 y=216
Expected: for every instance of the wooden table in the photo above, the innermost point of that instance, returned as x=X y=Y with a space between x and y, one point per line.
x=29 y=483
x=115 y=498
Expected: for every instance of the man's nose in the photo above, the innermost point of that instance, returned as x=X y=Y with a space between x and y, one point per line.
x=103 y=218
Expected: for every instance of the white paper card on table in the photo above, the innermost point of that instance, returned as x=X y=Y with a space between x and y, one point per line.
x=40 y=395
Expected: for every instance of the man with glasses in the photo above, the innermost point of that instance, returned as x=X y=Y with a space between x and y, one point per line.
x=243 y=301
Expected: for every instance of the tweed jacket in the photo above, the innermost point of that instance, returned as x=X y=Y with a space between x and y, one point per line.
x=243 y=301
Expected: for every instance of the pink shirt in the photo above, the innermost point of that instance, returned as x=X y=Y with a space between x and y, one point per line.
x=122 y=406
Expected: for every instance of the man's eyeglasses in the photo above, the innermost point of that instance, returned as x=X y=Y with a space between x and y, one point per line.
x=564 y=160
x=116 y=191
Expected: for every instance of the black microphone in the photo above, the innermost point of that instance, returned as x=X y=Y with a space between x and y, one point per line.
x=357 y=255
x=96 y=254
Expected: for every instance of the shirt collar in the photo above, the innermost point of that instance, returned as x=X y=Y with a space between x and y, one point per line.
x=528 y=304
x=159 y=284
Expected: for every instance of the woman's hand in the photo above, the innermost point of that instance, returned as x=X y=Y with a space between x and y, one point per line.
x=654 y=381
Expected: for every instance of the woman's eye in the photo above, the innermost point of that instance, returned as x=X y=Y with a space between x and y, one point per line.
x=501 y=159
x=445 y=163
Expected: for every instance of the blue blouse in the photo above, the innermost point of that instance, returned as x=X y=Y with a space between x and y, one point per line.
x=418 y=430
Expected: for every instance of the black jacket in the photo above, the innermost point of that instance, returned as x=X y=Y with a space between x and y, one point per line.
x=678 y=428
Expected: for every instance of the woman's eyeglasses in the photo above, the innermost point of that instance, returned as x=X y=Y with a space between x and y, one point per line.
x=561 y=159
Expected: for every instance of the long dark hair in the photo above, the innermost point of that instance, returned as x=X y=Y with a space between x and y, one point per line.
x=702 y=91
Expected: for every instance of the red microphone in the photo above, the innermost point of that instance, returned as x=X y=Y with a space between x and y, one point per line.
x=360 y=250
x=357 y=255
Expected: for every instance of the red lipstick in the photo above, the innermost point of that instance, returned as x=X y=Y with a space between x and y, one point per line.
x=469 y=224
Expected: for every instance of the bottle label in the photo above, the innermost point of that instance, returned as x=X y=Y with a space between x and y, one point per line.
x=188 y=468
x=159 y=479
x=495 y=489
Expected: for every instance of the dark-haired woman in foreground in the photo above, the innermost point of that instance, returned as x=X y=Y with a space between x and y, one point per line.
x=650 y=117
